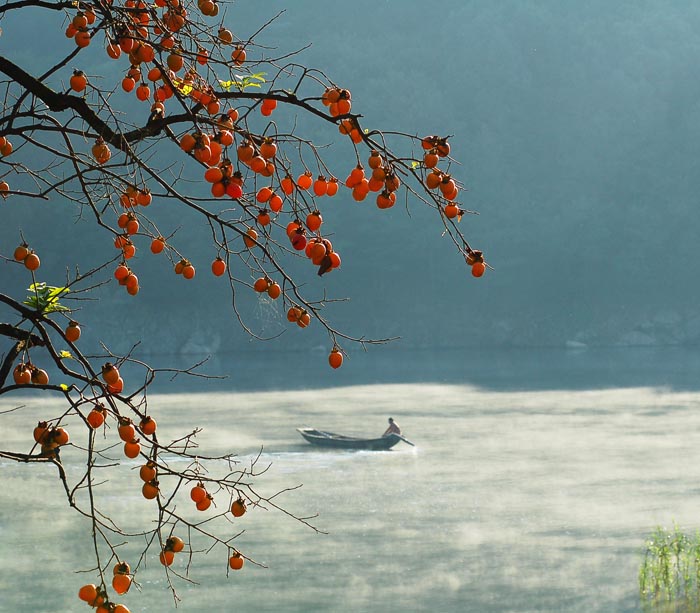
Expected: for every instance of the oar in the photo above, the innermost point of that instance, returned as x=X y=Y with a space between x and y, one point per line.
x=405 y=440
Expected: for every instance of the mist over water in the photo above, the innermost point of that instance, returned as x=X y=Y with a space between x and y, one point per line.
x=513 y=499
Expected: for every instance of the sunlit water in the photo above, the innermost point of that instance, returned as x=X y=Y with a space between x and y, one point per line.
x=534 y=500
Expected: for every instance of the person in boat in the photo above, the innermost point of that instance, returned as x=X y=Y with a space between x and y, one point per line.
x=393 y=428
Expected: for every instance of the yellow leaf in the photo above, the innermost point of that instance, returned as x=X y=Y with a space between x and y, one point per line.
x=184 y=88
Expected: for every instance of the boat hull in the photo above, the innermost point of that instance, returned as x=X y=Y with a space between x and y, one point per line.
x=322 y=438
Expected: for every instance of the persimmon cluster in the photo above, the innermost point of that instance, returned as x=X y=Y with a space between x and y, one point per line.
x=475 y=259
x=123 y=274
x=201 y=498
x=225 y=180
x=112 y=378
x=238 y=509
x=173 y=545
x=50 y=437
x=267 y=285
x=185 y=268
x=27 y=256
x=299 y=316
x=78 y=27
x=5 y=150
x=127 y=433
x=176 y=66
x=97 y=597
x=121 y=578
x=149 y=475
x=25 y=374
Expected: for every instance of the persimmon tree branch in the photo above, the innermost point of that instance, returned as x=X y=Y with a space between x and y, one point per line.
x=184 y=116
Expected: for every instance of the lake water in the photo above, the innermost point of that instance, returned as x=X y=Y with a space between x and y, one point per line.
x=533 y=484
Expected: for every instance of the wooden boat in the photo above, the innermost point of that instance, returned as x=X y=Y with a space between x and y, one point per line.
x=339 y=441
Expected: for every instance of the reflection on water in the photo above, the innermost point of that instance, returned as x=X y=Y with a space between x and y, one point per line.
x=516 y=498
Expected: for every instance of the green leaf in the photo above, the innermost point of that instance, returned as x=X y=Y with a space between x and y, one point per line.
x=65 y=355
x=64 y=387
x=44 y=298
x=415 y=164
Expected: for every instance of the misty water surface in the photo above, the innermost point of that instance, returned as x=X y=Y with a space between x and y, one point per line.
x=512 y=500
